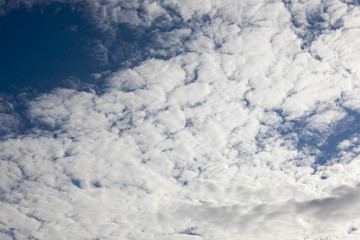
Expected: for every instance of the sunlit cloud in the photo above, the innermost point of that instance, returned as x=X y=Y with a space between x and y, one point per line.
x=208 y=120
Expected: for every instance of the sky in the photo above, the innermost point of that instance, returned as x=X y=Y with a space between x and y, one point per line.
x=169 y=120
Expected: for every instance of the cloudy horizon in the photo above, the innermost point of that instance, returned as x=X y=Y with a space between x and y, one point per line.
x=194 y=119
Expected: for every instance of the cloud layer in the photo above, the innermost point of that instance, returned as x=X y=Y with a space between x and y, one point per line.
x=241 y=122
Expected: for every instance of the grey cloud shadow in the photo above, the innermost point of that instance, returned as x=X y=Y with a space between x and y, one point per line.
x=343 y=204
x=341 y=207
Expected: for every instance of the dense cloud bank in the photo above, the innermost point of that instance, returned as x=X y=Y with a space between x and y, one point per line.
x=240 y=123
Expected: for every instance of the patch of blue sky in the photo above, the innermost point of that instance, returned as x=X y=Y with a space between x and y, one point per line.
x=352 y=2
x=190 y=231
x=323 y=145
x=43 y=46
x=344 y=130
x=313 y=24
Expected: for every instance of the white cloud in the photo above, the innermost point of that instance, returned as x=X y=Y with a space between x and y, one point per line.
x=219 y=141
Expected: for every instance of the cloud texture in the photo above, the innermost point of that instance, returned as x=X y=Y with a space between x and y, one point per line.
x=240 y=122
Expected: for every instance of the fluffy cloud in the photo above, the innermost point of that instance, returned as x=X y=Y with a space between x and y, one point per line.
x=246 y=130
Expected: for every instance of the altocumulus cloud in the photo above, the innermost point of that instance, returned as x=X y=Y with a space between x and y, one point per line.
x=234 y=120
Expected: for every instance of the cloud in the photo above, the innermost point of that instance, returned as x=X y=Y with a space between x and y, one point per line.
x=239 y=121
x=10 y=119
x=334 y=208
x=322 y=217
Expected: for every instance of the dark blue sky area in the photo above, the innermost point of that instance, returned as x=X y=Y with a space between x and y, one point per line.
x=42 y=46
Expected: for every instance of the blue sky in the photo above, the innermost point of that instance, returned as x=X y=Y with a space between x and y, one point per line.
x=201 y=119
x=44 y=45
